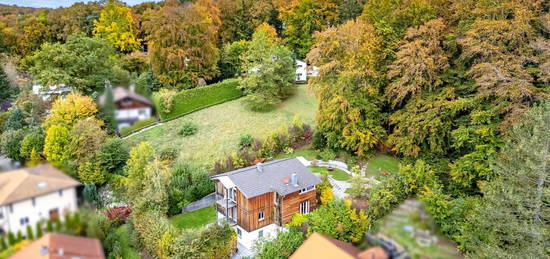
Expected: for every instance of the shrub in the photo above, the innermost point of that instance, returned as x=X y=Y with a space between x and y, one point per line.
x=165 y=99
x=168 y=154
x=30 y=234
x=188 y=128
x=188 y=101
x=113 y=156
x=118 y=215
x=327 y=155
x=137 y=126
x=10 y=143
x=281 y=247
x=188 y=183
x=245 y=141
x=39 y=231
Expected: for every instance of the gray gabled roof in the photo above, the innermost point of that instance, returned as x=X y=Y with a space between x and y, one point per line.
x=251 y=182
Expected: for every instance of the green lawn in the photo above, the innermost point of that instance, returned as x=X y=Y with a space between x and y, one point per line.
x=220 y=127
x=306 y=153
x=335 y=173
x=195 y=219
x=123 y=237
x=383 y=163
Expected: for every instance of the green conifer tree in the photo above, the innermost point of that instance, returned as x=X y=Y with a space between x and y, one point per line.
x=11 y=239
x=49 y=226
x=39 y=232
x=30 y=234
x=3 y=245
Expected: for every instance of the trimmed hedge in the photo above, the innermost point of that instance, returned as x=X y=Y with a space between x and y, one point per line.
x=138 y=125
x=188 y=101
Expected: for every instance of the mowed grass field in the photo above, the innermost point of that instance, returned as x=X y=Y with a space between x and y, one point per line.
x=221 y=126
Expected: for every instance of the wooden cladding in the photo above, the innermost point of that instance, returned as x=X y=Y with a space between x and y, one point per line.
x=249 y=211
x=291 y=203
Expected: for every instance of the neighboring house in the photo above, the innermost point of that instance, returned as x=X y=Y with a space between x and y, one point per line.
x=304 y=71
x=33 y=194
x=259 y=200
x=312 y=71
x=319 y=246
x=130 y=106
x=61 y=246
x=47 y=92
x=301 y=71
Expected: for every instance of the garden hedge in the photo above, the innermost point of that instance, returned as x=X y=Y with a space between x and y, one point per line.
x=188 y=101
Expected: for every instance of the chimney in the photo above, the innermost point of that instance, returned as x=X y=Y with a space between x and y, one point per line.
x=294 y=179
x=260 y=167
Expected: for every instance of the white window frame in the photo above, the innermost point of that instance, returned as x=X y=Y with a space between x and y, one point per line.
x=304 y=207
x=239 y=232
x=261 y=215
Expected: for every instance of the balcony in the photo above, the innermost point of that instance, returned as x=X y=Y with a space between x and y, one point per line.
x=225 y=202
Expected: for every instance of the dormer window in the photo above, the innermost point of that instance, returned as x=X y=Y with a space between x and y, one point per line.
x=307 y=189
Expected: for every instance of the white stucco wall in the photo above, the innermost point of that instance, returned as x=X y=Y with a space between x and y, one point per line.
x=301 y=70
x=11 y=221
x=133 y=114
x=248 y=239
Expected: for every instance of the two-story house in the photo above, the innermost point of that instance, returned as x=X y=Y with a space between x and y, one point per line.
x=258 y=200
x=130 y=107
x=33 y=194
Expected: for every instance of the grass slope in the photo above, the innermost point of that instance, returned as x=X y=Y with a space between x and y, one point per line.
x=221 y=126
x=195 y=219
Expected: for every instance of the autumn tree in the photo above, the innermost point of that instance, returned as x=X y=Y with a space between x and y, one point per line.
x=269 y=71
x=183 y=43
x=116 y=24
x=5 y=85
x=348 y=86
x=68 y=111
x=419 y=62
x=77 y=18
x=302 y=18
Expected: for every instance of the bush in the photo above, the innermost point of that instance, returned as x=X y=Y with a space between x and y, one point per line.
x=168 y=154
x=118 y=214
x=137 y=126
x=112 y=156
x=188 y=128
x=282 y=247
x=165 y=99
x=188 y=183
x=245 y=141
x=188 y=101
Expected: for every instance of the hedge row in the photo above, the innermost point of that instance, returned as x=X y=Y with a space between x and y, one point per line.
x=188 y=101
x=138 y=125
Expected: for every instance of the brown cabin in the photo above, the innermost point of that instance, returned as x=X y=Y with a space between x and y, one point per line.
x=258 y=200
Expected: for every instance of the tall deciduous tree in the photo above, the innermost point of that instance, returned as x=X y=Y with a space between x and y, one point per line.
x=348 y=86
x=419 y=62
x=516 y=219
x=183 y=42
x=304 y=17
x=116 y=24
x=82 y=63
x=70 y=110
x=269 y=71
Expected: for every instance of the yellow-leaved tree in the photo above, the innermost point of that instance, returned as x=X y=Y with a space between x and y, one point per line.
x=116 y=24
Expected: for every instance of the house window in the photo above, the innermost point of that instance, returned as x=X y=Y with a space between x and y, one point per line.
x=260 y=233
x=239 y=233
x=141 y=112
x=261 y=216
x=33 y=201
x=60 y=193
x=307 y=189
x=11 y=208
x=304 y=207
x=24 y=221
